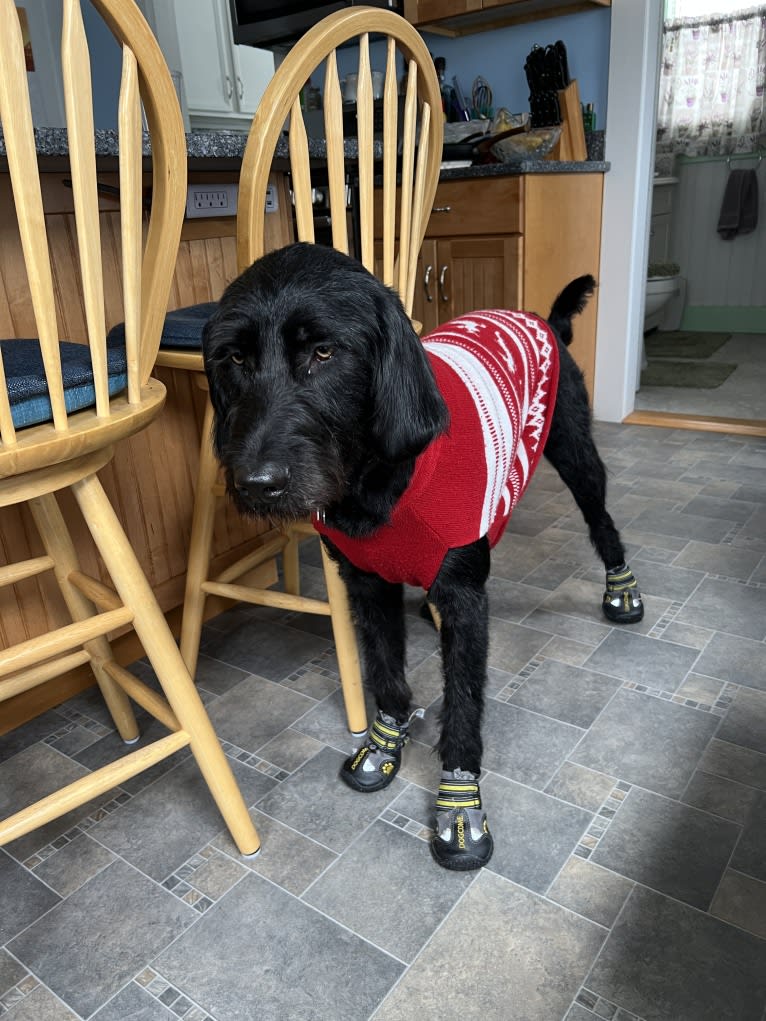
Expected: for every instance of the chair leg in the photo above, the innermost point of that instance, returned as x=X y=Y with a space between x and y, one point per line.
x=59 y=546
x=291 y=565
x=157 y=640
x=346 y=647
x=200 y=545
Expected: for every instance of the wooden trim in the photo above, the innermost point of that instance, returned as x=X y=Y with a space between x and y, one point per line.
x=704 y=423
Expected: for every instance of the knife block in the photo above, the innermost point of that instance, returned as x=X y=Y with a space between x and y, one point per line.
x=571 y=144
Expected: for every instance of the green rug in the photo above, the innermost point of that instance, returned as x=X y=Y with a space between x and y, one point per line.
x=683 y=344
x=694 y=375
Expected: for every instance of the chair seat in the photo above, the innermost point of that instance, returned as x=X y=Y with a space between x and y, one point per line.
x=182 y=328
x=28 y=388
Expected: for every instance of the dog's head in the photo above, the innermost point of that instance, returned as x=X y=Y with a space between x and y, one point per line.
x=315 y=373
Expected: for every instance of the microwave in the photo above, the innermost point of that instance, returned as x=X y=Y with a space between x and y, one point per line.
x=277 y=24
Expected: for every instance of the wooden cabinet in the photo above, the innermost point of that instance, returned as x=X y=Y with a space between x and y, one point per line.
x=511 y=242
x=463 y=17
x=223 y=82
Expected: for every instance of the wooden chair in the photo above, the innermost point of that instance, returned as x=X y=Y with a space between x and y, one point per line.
x=399 y=148
x=64 y=404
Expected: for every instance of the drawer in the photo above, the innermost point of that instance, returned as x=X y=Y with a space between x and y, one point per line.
x=489 y=205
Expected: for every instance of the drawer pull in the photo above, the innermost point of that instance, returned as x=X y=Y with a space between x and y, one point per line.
x=442 y=278
x=427 y=282
x=442 y=209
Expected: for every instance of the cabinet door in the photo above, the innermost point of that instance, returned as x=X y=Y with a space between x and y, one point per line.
x=477 y=273
x=425 y=305
x=418 y=12
x=253 y=70
x=203 y=41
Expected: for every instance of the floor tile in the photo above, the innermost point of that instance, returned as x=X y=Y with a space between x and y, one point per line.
x=255 y=711
x=397 y=904
x=511 y=646
x=714 y=970
x=287 y=858
x=23 y=898
x=73 y=864
x=268 y=649
x=581 y=786
x=39 y=1005
x=633 y=657
x=714 y=559
x=533 y=957
x=524 y=746
x=728 y=760
x=667 y=846
x=745 y=722
x=741 y=900
x=719 y=796
x=318 y=804
x=295 y=963
x=566 y=693
x=79 y=949
x=156 y=830
x=749 y=857
x=591 y=891
x=647 y=741
x=728 y=606
x=11 y=971
x=134 y=1004
x=534 y=834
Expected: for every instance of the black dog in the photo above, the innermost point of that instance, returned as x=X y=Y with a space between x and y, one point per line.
x=326 y=402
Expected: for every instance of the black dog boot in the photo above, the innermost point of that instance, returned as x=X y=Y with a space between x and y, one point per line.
x=622 y=600
x=462 y=840
x=373 y=766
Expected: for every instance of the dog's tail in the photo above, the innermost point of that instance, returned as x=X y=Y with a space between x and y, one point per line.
x=570 y=302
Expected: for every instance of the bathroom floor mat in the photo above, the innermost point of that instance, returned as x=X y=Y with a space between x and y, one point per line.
x=693 y=375
x=683 y=344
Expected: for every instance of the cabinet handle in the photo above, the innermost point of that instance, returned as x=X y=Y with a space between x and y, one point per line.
x=442 y=278
x=240 y=88
x=427 y=282
x=229 y=87
x=442 y=209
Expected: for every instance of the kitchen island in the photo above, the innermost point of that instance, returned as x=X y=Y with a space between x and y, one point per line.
x=513 y=235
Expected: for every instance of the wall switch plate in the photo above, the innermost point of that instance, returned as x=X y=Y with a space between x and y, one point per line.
x=211 y=200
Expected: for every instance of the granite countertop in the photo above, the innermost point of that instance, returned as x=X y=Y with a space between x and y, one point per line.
x=204 y=148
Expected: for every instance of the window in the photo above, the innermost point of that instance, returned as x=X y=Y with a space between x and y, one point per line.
x=712 y=79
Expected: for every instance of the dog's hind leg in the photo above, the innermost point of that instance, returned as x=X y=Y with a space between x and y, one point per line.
x=462 y=840
x=377 y=607
x=572 y=452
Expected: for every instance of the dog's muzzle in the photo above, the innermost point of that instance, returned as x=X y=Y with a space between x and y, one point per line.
x=261 y=486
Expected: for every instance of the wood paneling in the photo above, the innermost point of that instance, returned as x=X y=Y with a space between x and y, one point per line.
x=151 y=479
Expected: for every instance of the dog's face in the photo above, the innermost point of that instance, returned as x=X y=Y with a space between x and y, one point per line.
x=314 y=371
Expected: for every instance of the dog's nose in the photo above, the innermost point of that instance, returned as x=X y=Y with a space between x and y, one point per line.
x=267 y=482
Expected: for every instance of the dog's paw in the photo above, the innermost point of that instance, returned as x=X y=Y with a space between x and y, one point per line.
x=373 y=766
x=462 y=840
x=622 y=603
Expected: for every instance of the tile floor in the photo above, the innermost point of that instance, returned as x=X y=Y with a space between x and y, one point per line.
x=626 y=786
x=742 y=395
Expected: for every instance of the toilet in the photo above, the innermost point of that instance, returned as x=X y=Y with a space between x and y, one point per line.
x=659 y=307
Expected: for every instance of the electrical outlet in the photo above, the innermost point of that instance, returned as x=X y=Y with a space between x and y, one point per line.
x=272 y=202
x=211 y=200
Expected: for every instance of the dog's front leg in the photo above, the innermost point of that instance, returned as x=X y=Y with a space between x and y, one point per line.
x=377 y=607
x=462 y=839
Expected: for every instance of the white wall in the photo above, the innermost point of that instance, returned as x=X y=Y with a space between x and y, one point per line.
x=633 y=77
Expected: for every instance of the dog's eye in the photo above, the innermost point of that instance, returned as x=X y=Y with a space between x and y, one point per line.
x=323 y=353
x=238 y=358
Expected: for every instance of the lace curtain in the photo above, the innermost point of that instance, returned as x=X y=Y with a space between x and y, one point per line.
x=712 y=84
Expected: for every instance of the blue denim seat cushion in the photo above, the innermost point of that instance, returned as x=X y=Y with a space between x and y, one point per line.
x=28 y=388
x=182 y=329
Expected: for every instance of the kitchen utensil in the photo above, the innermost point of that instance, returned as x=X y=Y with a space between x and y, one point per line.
x=481 y=96
x=464 y=114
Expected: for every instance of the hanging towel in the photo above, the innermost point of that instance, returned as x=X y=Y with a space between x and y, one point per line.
x=739 y=208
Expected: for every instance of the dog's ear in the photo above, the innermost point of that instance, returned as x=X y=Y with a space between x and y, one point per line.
x=408 y=409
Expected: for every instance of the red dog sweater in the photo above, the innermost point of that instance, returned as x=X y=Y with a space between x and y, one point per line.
x=497 y=372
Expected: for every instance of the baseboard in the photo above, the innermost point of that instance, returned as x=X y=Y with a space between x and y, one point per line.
x=722 y=318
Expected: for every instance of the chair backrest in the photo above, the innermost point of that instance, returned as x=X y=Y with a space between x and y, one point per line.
x=407 y=152
x=147 y=256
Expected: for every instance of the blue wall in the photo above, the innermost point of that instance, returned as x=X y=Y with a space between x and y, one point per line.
x=499 y=56
x=105 y=68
